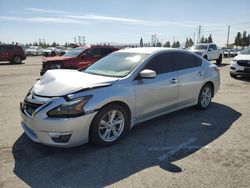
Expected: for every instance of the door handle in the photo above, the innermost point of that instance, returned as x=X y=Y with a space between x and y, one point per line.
x=200 y=73
x=173 y=81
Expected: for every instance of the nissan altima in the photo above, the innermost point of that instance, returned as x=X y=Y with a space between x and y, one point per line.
x=100 y=104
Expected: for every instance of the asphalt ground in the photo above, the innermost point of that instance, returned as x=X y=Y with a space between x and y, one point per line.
x=188 y=148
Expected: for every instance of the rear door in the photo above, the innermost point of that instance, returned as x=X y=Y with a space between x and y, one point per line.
x=5 y=52
x=160 y=94
x=190 y=75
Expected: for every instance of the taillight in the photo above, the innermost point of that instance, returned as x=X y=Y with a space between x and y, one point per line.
x=217 y=69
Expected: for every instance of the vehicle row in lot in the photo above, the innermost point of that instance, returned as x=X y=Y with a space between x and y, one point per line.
x=208 y=51
x=101 y=103
x=50 y=51
x=76 y=58
x=12 y=53
x=240 y=65
x=230 y=52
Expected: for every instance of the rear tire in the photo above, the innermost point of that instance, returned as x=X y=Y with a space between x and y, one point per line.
x=205 y=97
x=16 y=59
x=218 y=61
x=109 y=125
x=233 y=75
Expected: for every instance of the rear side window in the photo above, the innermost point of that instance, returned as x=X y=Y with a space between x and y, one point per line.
x=184 y=61
x=94 y=52
x=198 y=61
x=6 y=47
x=161 y=63
x=106 y=51
x=9 y=47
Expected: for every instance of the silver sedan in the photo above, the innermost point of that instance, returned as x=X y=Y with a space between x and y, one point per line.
x=100 y=104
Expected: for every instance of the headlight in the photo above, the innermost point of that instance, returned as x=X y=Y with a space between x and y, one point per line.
x=55 y=66
x=71 y=108
x=233 y=61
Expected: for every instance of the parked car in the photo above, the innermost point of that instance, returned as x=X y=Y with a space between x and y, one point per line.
x=50 y=51
x=12 y=53
x=61 y=50
x=101 y=103
x=230 y=52
x=240 y=65
x=76 y=58
x=34 y=50
x=208 y=51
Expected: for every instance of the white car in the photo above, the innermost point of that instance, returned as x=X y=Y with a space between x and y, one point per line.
x=101 y=103
x=208 y=51
x=34 y=50
x=240 y=65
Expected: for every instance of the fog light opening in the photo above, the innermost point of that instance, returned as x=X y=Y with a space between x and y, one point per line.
x=60 y=137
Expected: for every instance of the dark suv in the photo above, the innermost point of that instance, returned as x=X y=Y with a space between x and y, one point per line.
x=77 y=58
x=12 y=53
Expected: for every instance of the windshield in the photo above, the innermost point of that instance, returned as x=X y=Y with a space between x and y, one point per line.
x=118 y=64
x=74 y=52
x=246 y=51
x=199 y=47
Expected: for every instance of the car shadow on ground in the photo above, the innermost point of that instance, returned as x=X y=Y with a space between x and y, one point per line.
x=158 y=142
x=243 y=78
x=222 y=65
x=2 y=64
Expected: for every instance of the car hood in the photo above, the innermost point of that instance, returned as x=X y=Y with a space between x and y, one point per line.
x=242 y=57
x=57 y=58
x=63 y=82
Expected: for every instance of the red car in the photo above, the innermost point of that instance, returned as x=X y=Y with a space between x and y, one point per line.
x=12 y=53
x=77 y=58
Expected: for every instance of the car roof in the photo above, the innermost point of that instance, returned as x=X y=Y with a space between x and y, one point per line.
x=148 y=50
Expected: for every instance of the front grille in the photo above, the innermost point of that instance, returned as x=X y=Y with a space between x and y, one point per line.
x=244 y=63
x=30 y=107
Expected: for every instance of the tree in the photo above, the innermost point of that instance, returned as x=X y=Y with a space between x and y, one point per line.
x=209 y=39
x=187 y=44
x=244 y=39
x=158 y=44
x=177 y=44
x=202 y=40
x=190 y=42
x=53 y=44
x=167 y=44
x=141 y=43
x=238 y=39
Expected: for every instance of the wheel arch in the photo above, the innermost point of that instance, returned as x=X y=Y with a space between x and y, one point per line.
x=124 y=105
x=212 y=86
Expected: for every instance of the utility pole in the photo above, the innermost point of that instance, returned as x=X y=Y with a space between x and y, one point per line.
x=194 y=38
x=228 y=32
x=199 y=34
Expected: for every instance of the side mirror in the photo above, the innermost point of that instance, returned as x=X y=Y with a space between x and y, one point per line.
x=147 y=74
x=210 y=49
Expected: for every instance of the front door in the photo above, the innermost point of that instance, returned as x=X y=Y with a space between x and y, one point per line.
x=154 y=96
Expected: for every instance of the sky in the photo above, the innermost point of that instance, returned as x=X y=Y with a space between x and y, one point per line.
x=120 y=22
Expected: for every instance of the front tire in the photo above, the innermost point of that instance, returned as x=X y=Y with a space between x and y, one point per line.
x=218 y=61
x=233 y=75
x=205 y=97
x=109 y=125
